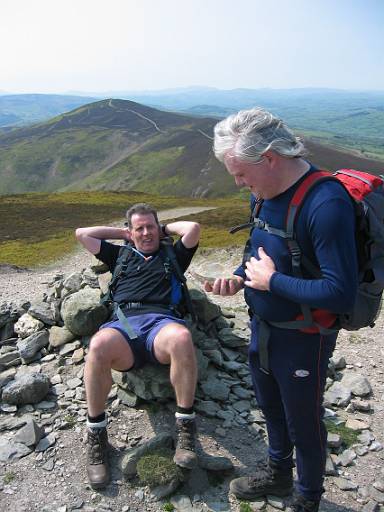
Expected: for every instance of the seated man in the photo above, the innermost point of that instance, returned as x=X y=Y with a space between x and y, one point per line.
x=148 y=331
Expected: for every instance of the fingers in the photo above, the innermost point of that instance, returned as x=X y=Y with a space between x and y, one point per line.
x=223 y=286
x=208 y=286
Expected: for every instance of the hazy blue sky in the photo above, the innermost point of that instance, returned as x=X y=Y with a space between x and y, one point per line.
x=104 y=45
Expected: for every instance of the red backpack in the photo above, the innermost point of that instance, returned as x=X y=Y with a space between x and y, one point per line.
x=367 y=192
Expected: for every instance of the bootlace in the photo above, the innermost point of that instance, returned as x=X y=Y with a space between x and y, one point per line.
x=185 y=430
x=264 y=474
x=96 y=445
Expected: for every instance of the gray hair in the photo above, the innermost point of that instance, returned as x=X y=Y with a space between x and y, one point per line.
x=140 y=209
x=250 y=133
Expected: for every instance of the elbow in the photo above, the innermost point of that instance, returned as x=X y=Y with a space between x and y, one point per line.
x=349 y=302
x=196 y=229
x=194 y=232
x=345 y=301
x=79 y=234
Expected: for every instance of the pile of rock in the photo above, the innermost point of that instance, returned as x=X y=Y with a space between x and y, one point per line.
x=42 y=350
x=39 y=342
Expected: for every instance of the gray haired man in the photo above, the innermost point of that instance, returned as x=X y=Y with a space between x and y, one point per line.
x=261 y=153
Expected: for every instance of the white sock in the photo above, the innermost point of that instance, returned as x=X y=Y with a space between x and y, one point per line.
x=181 y=416
x=100 y=424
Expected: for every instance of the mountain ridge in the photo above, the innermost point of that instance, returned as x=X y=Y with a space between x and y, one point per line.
x=118 y=144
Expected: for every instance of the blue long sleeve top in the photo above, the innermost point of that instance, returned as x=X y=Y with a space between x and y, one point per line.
x=325 y=231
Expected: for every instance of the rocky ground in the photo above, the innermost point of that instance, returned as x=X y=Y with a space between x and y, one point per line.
x=49 y=475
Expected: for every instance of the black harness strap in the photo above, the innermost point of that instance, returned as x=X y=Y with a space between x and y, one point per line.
x=170 y=253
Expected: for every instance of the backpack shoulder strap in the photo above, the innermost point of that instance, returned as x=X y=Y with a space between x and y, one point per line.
x=311 y=181
x=169 y=251
x=121 y=263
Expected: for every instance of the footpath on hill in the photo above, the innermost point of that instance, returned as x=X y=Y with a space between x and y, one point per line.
x=54 y=479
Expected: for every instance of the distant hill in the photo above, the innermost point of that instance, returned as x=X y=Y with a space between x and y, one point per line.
x=348 y=118
x=123 y=145
x=21 y=109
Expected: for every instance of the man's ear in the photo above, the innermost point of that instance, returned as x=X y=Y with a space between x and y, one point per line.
x=128 y=234
x=269 y=155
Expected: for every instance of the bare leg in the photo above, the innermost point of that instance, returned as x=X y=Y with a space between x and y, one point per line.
x=173 y=345
x=108 y=349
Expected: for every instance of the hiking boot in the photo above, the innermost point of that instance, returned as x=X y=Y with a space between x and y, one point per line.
x=269 y=479
x=300 y=504
x=185 y=455
x=97 y=460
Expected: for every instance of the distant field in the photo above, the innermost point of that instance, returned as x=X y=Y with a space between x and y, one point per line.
x=367 y=147
x=36 y=229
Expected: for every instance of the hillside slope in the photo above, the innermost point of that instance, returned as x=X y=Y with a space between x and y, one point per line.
x=122 y=145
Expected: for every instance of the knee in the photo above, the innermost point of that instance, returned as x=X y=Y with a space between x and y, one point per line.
x=181 y=344
x=98 y=348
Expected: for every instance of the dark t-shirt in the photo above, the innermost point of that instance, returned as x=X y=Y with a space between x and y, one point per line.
x=144 y=281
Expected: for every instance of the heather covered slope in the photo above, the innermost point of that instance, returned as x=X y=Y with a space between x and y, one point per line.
x=122 y=145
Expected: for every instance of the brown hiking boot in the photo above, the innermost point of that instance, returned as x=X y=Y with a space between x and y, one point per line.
x=268 y=479
x=97 y=460
x=185 y=455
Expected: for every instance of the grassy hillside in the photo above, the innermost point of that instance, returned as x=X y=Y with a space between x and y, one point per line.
x=37 y=229
x=120 y=145
x=92 y=146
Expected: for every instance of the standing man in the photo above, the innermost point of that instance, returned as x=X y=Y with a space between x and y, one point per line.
x=288 y=363
x=145 y=328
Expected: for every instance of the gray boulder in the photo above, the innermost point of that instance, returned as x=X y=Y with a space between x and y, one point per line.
x=59 y=336
x=27 y=325
x=9 y=311
x=30 y=434
x=73 y=282
x=6 y=376
x=82 y=312
x=232 y=338
x=338 y=395
x=150 y=382
x=216 y=389
x=357 y=383
x=10 y=450
x=90 y=278
x=27 y=389
x=9 y=358
x=7 y=330
x=43 y=311
x=28 y=347
x=206 y=310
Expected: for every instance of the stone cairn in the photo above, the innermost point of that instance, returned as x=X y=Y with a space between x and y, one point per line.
x=44 y=341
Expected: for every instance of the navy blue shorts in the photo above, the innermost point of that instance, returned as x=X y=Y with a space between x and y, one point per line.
x=146 y=326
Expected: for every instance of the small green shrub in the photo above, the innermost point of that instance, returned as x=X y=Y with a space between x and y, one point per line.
x=157 y=468
x=9 y=477
x=348 y=436
x=245 y=507
x=70 y=420
x=355 y=338
x=168 y=507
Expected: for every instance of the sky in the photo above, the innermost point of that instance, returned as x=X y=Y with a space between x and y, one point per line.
x=58 y=46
